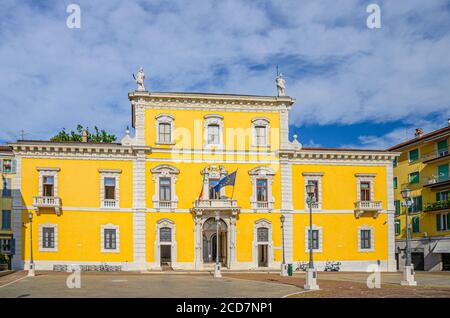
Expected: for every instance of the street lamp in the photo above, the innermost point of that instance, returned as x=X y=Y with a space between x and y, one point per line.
x=217 y=273
x=31 y=268
x=284 y=267
x=311 y=273
x=408 y=271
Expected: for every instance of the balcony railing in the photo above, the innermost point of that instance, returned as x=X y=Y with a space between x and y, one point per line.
x=262 y=205
x=110 y=204
x=436 y=154
x=368 y=206
x=216 y=204
x=47 y=202
x=165 y=204
x=437 y=206
x=436 y=180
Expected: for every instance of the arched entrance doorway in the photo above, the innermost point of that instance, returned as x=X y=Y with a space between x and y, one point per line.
x=210 y=241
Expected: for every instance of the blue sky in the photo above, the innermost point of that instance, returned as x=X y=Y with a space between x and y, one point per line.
x=354 y=86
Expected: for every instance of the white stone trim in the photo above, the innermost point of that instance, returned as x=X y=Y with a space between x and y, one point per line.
x=212 y=172
x=262 y=223
x=314 y=227
x=391 y=217
x=48 y=172
x=139 y=210
x=173 y=244
x=165 y=119
x=213 y=120
x=41 y=237
x=109 y=226
x=365 y=178
x=165 y=171
x=287 y=206
x=261 y=121
x=313 y=176
x=262 y=172
x=372 y=238
x=109 y=173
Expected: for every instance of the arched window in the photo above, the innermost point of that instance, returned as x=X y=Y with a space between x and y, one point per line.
x=165 y=234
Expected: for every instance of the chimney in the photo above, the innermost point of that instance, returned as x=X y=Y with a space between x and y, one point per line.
x=84 y=136
x=418 y=133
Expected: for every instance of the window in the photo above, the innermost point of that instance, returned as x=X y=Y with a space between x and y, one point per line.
x=110 y=239
x=48 y=186
x=164 y=189
x=415 y=224
x=443 y=172
x=6 y=192
x=443 y=222
x=48 y=239
x=165 y=234
x=414 y=177
x=213 y=195
x=365 y=191
x=397 y=227
x=395 y=182
x=366 y=239
x=398 y=209
x=213 y=134
x=442 y=195
x=5 y=245
x=7 y=166
x=261 y=190
x=261 y=135
x=413 y=155
x=263 y=235
x=315 y=240
x=417 y=204
x=395 y=163
x=442 y=148
x=6 y=220
x=110 y=188
x=165 y=133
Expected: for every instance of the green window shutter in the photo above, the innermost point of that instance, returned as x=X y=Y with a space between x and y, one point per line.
x=438 y=196
x=414 y=177
x=395 y=183
x=442 y=145
x=419 y=203
x=448 y=221
x=415 y=224
x=443 y=172
x=397 y=227
x=413 y=155
x=397 y=207
x=438 y=222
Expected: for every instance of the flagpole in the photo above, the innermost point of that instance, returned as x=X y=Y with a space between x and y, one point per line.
x=232 y=193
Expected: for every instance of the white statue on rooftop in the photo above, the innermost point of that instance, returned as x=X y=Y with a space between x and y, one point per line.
x=139 y=78
x=281 y=85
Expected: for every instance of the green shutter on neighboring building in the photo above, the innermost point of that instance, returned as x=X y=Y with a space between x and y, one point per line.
x=414 y=177
x=443 y=173
x=397 y=227
x=413 y=155
x=395 y=183
x=415 y=224
x=397 y=207
x=442 y=146
x=419 y=203
x=448 y=221
x=438 y=222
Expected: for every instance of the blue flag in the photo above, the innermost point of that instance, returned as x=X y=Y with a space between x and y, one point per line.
x=225 y=181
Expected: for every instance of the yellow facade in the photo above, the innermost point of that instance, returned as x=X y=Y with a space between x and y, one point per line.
x=423 y=167
x=183 y=140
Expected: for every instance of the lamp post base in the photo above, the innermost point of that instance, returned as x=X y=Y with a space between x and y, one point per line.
x=284 y=270
x=217 y=273
x=311 y=279
x=31 y=270
x=408 y=276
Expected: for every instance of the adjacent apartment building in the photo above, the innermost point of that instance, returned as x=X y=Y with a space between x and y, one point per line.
x=148 y=201
x=423 y=167
x=7 y=172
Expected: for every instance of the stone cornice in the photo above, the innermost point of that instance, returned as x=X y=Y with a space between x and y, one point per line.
x=340 y=155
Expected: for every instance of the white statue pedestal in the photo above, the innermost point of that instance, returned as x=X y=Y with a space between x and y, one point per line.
x=31 y=270
x=217 y=273
x=284 y=270
x=311 y=279
x=408 y=276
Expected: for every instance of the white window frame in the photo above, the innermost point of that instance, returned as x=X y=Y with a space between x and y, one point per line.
x=213 y=120
x=48 y=172
x=165 y=119
x=109 y=173
x=109 y=226
x=41 y=237
x=264 y=122
x=372 y=238
x=313 y=176
x=318 y=228
x=173 y=244
x=262 y=172
x=165 y=171
x=262 y=223
x=365 y=177
x=212 y=172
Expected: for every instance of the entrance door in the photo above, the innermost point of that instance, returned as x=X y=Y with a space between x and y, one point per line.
x=418 y=261
x=446 y=261
x=262 y=255
x=166 y=254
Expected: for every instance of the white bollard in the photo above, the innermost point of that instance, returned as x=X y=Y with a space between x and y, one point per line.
x=408 y=276
x=284 y=270
x=311 y=279
x=217 y=273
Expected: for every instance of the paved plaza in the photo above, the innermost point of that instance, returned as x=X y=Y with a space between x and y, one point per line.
x=255 y=285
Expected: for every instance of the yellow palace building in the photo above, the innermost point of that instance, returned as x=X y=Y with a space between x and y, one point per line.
x=149 y=200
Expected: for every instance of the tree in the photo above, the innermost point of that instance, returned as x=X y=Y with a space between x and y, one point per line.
x=99 y=136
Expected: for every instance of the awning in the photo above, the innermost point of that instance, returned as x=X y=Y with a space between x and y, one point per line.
x=442 y=247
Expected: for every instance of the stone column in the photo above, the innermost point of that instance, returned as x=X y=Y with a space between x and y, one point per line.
x=286 y=206
x=232 y=232
x=284 y=127
x=198 y=241
x=391 y=266
x=139 y=124
x=17 y=206
x=139 y=210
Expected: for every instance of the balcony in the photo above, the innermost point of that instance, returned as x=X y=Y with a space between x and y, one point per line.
x=110 y=204
x=368 y=206
x=435 y=182
x=262 y=205
x=168 y=205
x=436 y=155
x=47 y=202
x=438 y=206
x=224 y=205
